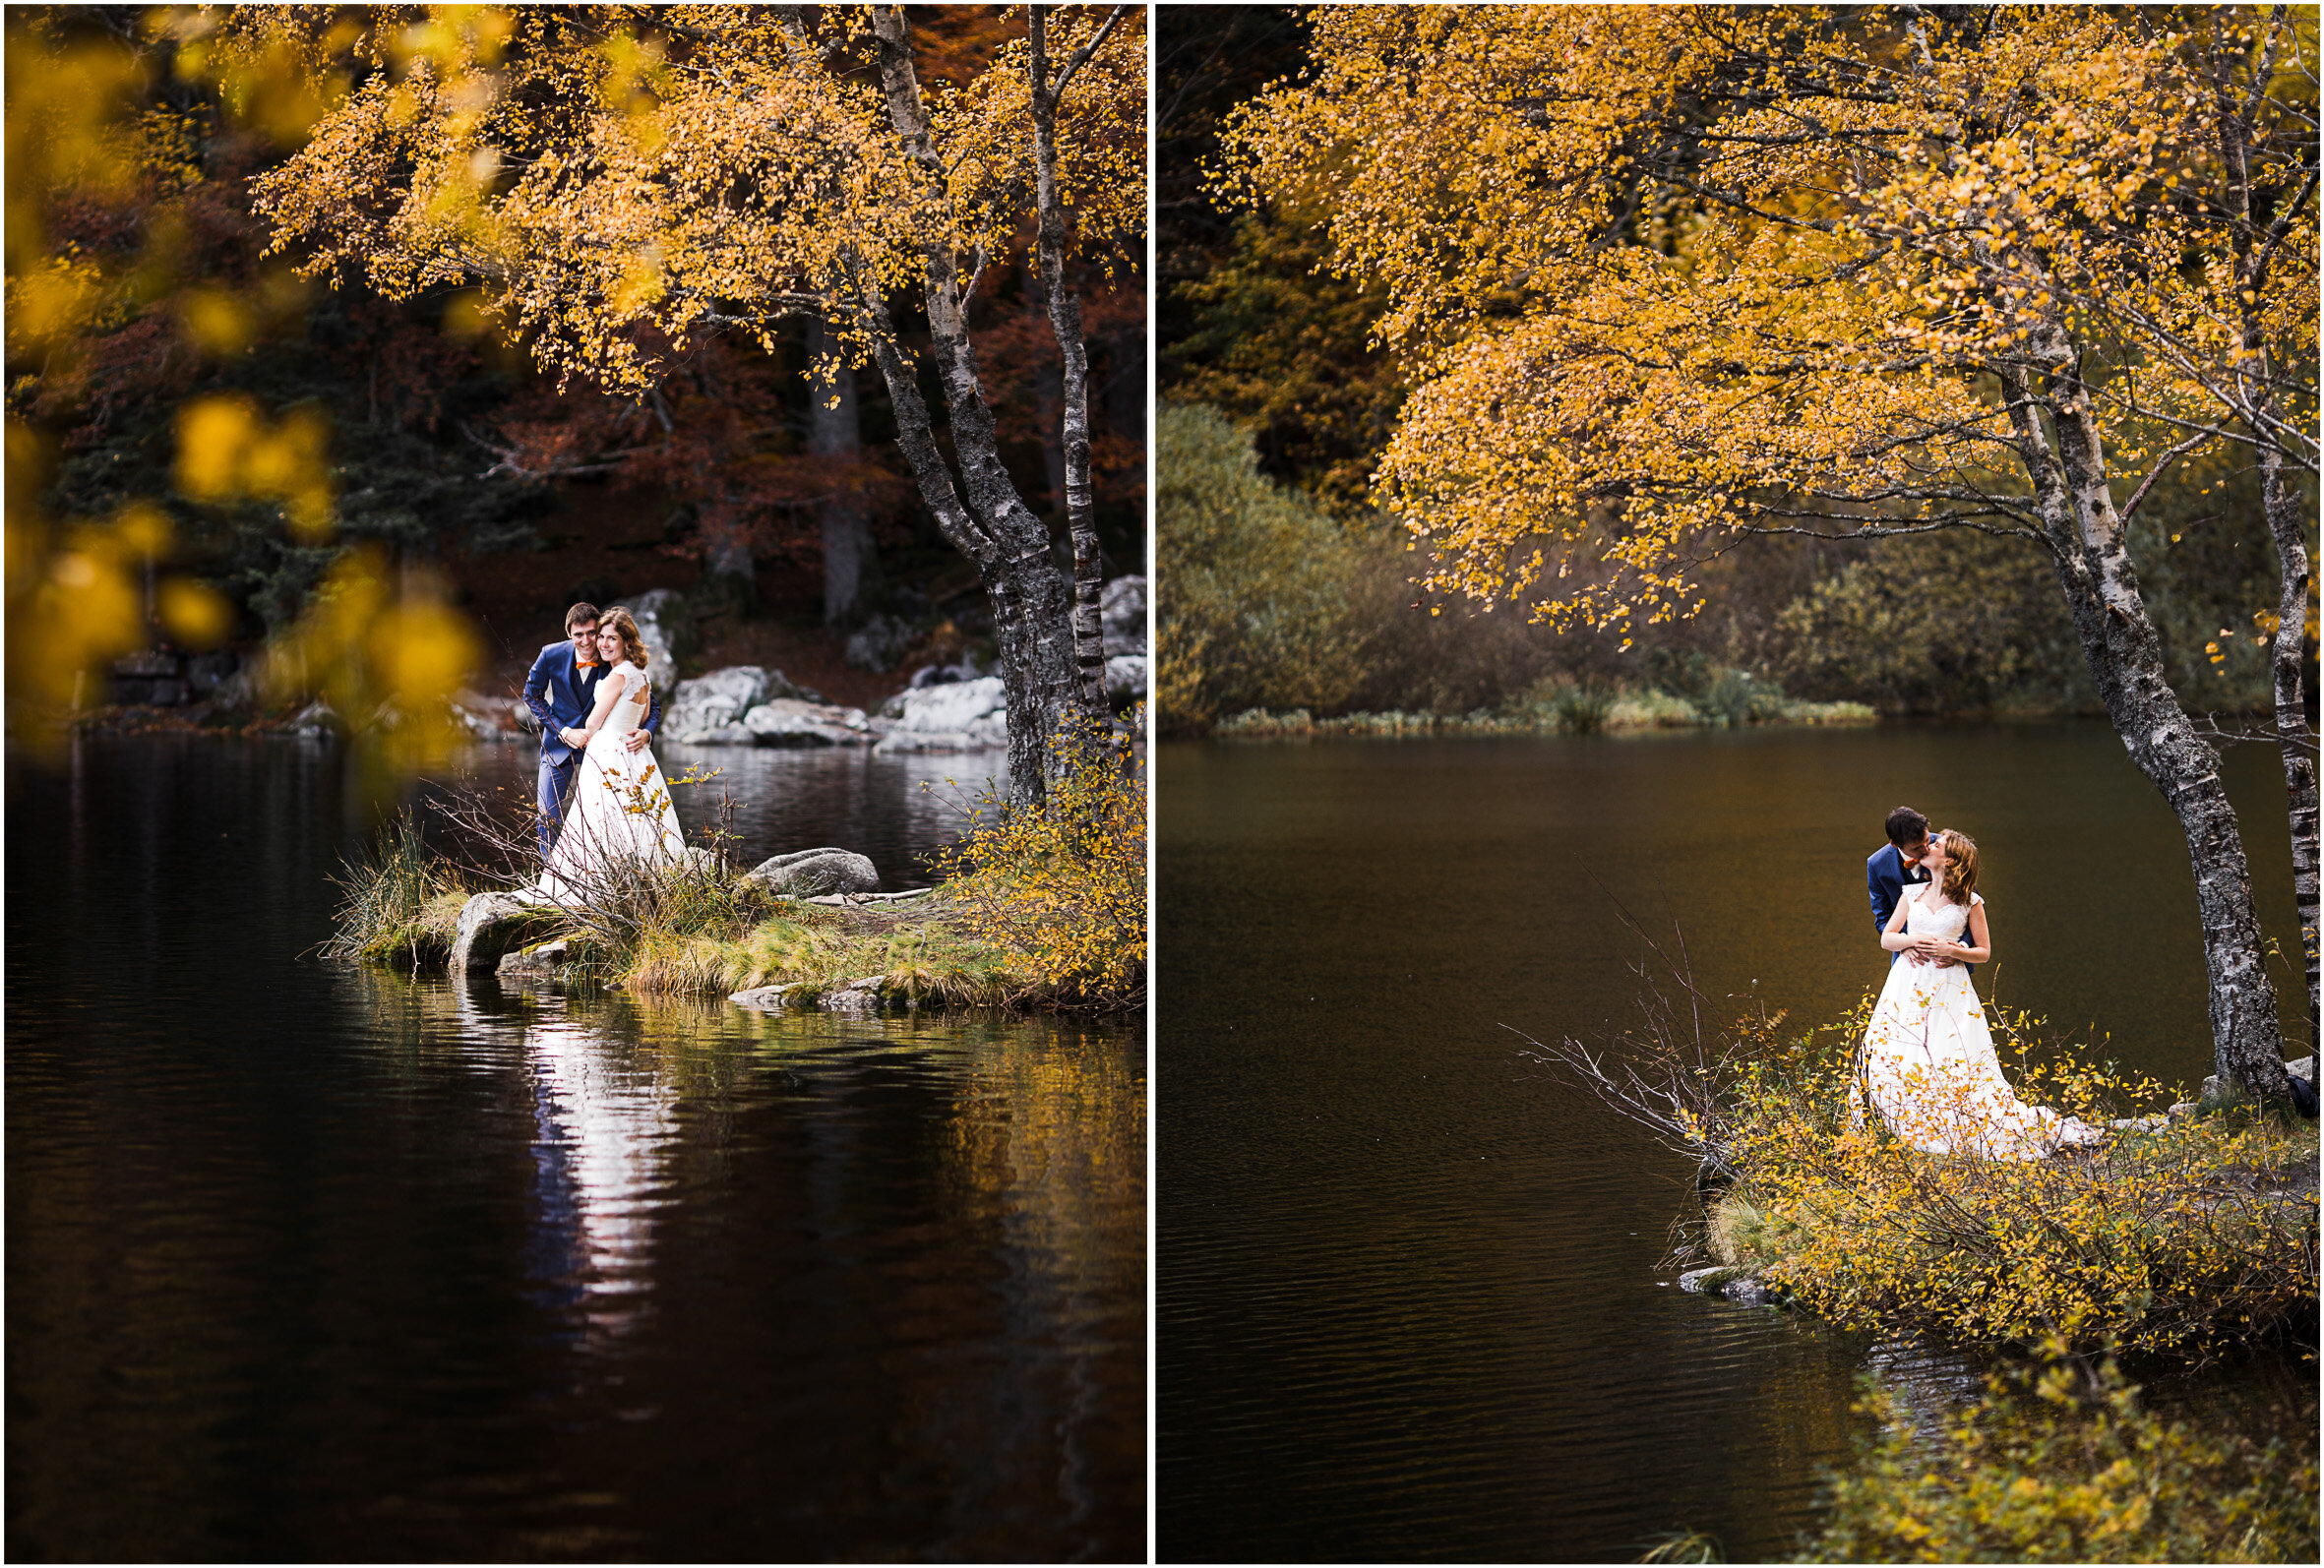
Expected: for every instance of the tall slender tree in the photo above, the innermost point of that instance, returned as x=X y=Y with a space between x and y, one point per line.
x=835 y=434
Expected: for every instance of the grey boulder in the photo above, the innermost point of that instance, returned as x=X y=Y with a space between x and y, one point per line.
x=961 y=716
x=491 y=926
x=860 y=997
x=787 y=721
x=1728 y=1284
x=709 y=710
x=535 y=964
x=945 y=674
x=318 y=720
x=1126 y=679
x=808 y=873
x=1122 y=613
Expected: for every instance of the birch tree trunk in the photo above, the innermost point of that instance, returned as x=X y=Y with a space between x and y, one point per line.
x=2255 y=243
x=1048 y=397
x=2295 y=736
x=981 y=516
x=2126 y=658
x=851 y=561
x=1064 y=319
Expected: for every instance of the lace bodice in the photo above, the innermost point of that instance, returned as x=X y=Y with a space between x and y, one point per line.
x=1947 y=920
x=632 y=692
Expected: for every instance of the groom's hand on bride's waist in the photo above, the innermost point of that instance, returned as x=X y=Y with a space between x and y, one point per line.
x=636 y=739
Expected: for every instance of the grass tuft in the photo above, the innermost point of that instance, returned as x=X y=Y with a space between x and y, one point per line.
x=398 y=906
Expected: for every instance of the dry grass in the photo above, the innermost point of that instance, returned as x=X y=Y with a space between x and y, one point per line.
x=919 y=953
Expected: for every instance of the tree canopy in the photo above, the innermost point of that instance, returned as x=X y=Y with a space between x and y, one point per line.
x=625 y=183
x=1670 y=268
x=1660 y=275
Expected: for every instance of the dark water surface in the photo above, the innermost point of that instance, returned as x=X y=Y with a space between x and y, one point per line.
x=309 y=1261
x=1407 y=1301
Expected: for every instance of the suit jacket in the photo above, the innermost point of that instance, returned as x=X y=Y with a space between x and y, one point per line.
x=1887 y=877
x=560 y=694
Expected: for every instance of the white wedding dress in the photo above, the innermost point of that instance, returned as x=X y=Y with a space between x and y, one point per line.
x=619 y=811
x=1928 y=1063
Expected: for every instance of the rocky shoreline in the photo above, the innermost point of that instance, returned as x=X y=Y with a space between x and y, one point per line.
x=959 y=706
x=502 y=934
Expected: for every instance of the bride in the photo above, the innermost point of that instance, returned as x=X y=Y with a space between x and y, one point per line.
x=1928 y=1063
x=619 y=811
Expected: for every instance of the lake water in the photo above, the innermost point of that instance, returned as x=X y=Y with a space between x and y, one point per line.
x=311 y=1262
x=1407 y=1303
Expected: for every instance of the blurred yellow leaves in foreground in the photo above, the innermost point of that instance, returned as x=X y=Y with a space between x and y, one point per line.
x=388 y=662
x=75 y=594
x=85 y=128
x=226 y=451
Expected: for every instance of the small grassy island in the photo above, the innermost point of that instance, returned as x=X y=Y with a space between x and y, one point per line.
x=1041 y=907
x=2189 y=1235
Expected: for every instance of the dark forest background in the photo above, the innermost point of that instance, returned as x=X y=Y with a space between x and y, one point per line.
x=452 y=453
x=1281 y=587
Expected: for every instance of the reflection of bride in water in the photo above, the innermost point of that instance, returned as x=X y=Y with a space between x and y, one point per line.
x=604 y=1128
x=605 y=1132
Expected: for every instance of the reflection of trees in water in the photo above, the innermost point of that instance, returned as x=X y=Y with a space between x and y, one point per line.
x=1063 y=1172
x=2257 y=1395
x=1008 y=1284
x=1931 y=1385
x=925 y=1236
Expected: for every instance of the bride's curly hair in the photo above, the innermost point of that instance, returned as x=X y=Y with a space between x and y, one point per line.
x=619 y=620
x=1960 y=866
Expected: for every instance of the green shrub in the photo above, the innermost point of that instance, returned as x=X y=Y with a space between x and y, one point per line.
x=1250 y=602
x=1936 y=624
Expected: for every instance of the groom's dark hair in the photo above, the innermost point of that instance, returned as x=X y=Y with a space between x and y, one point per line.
x=578 y=614
x=1904 y=826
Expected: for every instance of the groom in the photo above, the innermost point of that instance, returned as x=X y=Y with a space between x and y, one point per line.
x=1896 y=866
x=560 y=690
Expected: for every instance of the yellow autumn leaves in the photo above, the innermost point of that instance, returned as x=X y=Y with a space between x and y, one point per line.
x=1662 y=271
x=1058 y=888
x=2161 y=1242
x=622 y=184
x=83 y=134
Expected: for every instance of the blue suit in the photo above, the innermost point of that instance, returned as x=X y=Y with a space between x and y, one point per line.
x=1887 y=877
x=560 y=695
